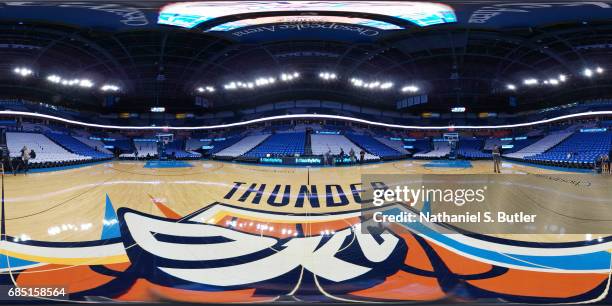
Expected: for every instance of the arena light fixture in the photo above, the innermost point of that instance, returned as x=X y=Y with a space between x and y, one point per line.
x=109 y=87
x=374 y=85
x=286 y=77
x=410 y=89
x=386 y=85
x=83 y=83
x=511 y=87
x=205 y=89
x=54 y=78
x=305 y=116
x=327 y=76
x=264 y=81
x=357 y=82
x=562 y=77
x=230 y=86
x=589 y=72
x=23 y=71
x=158 y=109
x=531 y=82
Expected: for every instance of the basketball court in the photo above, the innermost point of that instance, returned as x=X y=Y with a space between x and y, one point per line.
x=78 y=212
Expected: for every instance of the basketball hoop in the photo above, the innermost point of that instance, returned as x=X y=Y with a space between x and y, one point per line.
x=451 y=136
x=165 y=138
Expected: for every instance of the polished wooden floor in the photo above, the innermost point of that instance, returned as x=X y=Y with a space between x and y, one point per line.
x=69 y=205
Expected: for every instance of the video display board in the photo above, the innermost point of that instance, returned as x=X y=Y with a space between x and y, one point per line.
x=192 y=14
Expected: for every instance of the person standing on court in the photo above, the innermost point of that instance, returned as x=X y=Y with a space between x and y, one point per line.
x=609 y=161
x=496 y=159
x=25 y=159
x=361 y=156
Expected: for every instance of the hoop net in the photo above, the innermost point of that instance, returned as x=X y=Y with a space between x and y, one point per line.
x=451 y=137
x=165 y=138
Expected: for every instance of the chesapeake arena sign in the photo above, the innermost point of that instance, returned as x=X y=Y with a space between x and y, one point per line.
x=305 y=26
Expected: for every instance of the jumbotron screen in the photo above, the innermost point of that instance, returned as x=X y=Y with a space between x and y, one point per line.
x=192 y=14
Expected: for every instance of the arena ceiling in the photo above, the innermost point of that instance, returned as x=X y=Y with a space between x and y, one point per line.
x=464 y=62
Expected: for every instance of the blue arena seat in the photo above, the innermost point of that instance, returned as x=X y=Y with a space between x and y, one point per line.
x=281 y=144
x=372 y=145
x=73 y=145
x=220 y=143
x=580 y=150
x=176 y=148
x=124 y=145
x=472 y=148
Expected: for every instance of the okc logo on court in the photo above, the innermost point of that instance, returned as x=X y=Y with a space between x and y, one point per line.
x=212 y=255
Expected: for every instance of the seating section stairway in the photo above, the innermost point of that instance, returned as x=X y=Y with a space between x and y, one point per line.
x=47 y=151
x=441 y=149
x=280 y=144
x=580 y=150
x=397 y=145
x=244 y=145
x=75 y=146
x=540 y=146
x=373 y=146
x=95 y=144
x=322 y=143
x=177 y=149
x=145 y=149
x=472 y=148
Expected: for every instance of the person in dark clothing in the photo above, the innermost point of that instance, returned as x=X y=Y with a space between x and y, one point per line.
x=496 y=159
x=341 y=156
x=25 y=158
x=361 y=156
x=328 y=158
x=597 y=166
x=609 y=161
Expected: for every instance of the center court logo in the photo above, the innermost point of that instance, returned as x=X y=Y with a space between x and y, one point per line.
x=206 y=254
